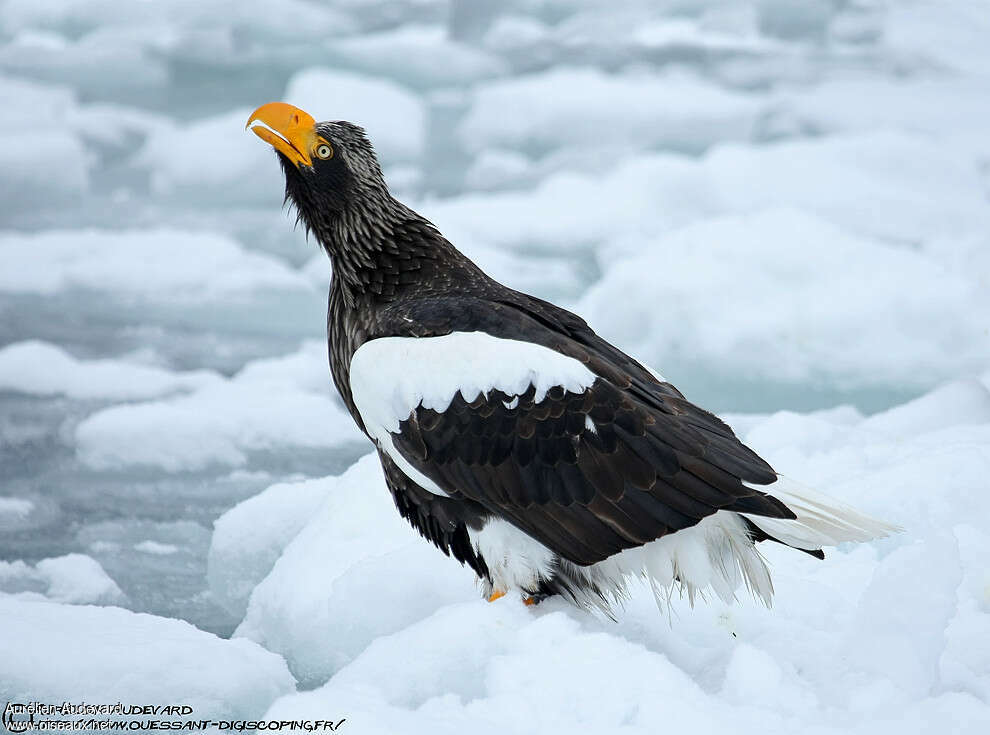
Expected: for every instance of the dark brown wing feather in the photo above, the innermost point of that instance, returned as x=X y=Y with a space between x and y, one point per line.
x=654 y=464
x=640 y=474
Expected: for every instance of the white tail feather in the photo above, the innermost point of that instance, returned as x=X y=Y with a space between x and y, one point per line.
x=821 y=520
x=715 y=554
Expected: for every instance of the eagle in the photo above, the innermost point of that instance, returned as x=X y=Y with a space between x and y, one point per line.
x=510 y=434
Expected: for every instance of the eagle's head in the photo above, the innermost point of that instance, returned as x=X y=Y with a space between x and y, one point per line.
x=330 y=167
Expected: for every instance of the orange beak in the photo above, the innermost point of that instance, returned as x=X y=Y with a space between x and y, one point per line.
x=288 y=129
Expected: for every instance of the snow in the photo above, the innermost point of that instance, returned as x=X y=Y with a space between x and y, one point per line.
x=420 y=55
x=394 y=118
x=142 y=265
x=238 y=560
x=58 y=653
x=903 y=187
x=209 y=158
x=720 y=298
x=42 y=368
x=36 y=117
x=510 y=667
x=73 y=578
x=782 y=204
x=312 y=606
x=153 y=547
x=18 y=507
x=575 y=107
x=220 y=423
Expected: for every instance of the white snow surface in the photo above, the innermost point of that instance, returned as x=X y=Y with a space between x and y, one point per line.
x=851 y=644
x=140 y=265
x=73 y=578
x=781 y=204
x=59 y=653
x=576 y=107
x=238 y=562
x=41 y=368
x=353 y=547
x=221 y=422
x=394 y=118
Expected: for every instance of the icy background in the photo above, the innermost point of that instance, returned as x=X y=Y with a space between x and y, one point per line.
x=781 y=204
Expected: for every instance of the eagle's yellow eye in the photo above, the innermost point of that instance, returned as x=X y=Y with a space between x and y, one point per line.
x=324 y=151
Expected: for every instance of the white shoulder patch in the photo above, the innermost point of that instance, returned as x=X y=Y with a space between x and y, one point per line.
x=391 y=376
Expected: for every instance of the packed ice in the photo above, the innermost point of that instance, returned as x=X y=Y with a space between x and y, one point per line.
x=782 y=205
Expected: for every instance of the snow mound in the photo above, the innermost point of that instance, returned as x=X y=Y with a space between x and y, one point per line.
x=568 y=212
x=961 y=403
x=394 y=117
x=853 y=644
x=949 y=110
x=74 y=579
x=43 y=369
x=418 y=55
x=211 y=159
x=37 y=117
x=56 y=653
x=355 y=552
x=578 y=107
x=249 y=538
x=907 y=188
x=856 y=311
x=269 y=406
x=142 y=265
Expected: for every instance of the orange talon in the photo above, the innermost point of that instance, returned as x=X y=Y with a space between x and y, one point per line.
x=496 y=594
x=529 y=601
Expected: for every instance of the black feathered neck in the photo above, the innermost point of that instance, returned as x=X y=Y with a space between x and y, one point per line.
x=378 y=247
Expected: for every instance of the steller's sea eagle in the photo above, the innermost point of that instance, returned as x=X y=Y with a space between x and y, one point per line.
x=511 y=435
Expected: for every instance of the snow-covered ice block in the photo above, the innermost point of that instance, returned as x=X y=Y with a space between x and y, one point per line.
x=924 y=475
x=880 y=637
x=940 y=35
x=907 y=188
x=586 y=107
x=569 y=211
x=141 y=265
x=394 y=117
x=72 y=578
x=15 y=508
x=308 y=368
x=42 y=368
x=38 y=118
x=212 y=159
x=355 y=573
x=418 y=55
x=78 y=578
x=965 y=663
x=500 y=669
x=249 y=538
x=960 y=403
x=498 y=169
x=54 y=653
x=854 y=311
x=950 y=110
x=893 y=609
x=270 y=405
x=123 y=50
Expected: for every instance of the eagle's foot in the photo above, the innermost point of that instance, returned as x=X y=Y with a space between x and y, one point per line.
x=536 y=598
x=527 y=600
